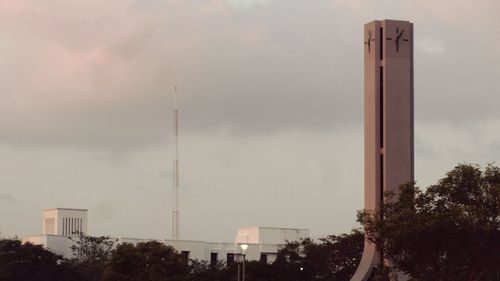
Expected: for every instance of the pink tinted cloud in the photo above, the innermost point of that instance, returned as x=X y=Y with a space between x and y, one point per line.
x=92 y=54
x=462 y=13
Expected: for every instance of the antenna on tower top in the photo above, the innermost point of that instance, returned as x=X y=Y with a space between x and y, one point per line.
x=175 y=207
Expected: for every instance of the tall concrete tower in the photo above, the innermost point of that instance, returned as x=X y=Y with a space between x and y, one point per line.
x=388 y=52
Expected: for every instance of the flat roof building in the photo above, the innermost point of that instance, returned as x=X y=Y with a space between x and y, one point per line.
x=61 y=227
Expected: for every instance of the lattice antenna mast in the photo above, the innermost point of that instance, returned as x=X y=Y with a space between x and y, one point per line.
x=175 y=208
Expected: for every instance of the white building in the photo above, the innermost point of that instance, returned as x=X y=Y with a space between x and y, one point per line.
x=62 y=225
x=63 y=221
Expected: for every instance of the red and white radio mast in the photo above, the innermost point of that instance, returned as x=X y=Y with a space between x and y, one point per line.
x=175 y=207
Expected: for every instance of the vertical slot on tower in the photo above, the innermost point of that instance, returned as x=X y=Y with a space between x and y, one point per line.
x=381 y=186
x=381 y=198
x=381 y=107
x=381 y=40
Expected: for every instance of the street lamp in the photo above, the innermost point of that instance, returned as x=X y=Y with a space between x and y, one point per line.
x=244 y=248
x=238 y=262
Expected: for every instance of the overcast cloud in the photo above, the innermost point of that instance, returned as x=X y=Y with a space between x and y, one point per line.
x=271 y=109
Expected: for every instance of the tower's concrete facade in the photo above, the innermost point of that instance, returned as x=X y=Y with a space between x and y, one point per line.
x=388 y=53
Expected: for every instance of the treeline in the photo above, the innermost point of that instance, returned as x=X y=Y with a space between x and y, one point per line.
x=449 y=231
x=329 y=258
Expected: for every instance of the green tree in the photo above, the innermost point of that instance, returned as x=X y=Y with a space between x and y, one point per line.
x=291 y=259
x=344 y=254
x=27 y=262
x=261 y=271
x=205 y=271
x=450 y=231
x=334 y=257
x=90 y=256
x=151 y=261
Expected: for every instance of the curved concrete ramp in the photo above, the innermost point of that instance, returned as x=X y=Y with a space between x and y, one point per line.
x=369 y=259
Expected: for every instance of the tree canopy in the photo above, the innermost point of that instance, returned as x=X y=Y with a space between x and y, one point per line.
x=27 y=262
x=449 y=231
x=152 y=261
x=91 y=255
x=334 y=257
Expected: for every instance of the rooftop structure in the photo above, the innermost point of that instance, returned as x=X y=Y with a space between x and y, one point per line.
x=269 y=235
x=60 y=225
x=64 y=221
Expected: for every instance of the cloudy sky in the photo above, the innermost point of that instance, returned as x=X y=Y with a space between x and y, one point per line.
x=271 y=109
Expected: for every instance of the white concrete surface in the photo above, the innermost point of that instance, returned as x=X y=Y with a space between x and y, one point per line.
x=59 y=235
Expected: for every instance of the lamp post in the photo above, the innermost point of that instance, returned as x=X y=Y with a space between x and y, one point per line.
x=244 y=248
x=238 y=262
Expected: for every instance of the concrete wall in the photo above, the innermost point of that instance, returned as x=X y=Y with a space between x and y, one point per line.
x=199 y=250
x=269 y=235
x=60 y=245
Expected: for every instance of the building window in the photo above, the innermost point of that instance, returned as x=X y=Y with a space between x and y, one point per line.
x=230 y=258
x=263 y=258
x=185 y=256
x=213 y=259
